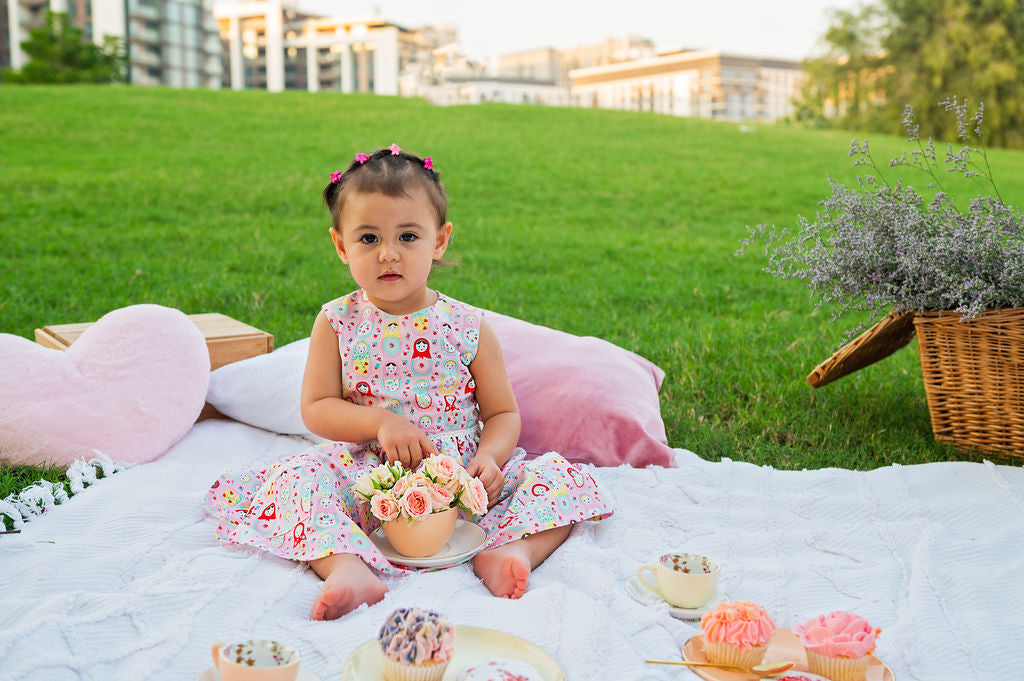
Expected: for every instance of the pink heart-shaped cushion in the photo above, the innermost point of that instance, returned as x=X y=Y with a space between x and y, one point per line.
x=131 y=386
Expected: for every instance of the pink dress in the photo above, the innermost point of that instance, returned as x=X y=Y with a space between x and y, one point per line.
x=417 y=365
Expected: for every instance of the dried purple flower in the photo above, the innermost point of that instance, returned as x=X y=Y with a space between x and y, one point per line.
x=879 y=246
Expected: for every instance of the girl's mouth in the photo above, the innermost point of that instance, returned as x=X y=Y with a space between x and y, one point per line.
x=390 y=276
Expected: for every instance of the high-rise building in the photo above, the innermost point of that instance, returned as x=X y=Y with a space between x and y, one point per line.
x=167 y=42
x=272 y=45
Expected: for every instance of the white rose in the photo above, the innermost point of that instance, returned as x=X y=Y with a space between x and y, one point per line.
x=382 y=476
x=364 y=486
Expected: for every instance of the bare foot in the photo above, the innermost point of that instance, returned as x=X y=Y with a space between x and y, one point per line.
x=504 y=570
x=348 y=583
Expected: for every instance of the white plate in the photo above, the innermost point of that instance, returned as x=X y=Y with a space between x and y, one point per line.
x=305 y=674
x=641 y=594
x=464 y=542
x=472 y=644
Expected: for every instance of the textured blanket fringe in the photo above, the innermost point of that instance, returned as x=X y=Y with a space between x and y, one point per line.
x=43 y=495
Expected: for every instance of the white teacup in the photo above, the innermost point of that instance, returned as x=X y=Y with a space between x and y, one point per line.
x=685 y=580
x=256 y=661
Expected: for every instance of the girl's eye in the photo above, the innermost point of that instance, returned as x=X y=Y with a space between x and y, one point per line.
x=368 y=239
x=408 y=236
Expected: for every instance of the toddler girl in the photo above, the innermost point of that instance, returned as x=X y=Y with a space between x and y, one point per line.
x=399 y=371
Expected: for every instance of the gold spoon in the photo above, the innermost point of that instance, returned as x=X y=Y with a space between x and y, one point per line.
x=764 y=670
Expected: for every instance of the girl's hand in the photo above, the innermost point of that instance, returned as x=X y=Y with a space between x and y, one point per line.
x=486 y=468
x=402 y=441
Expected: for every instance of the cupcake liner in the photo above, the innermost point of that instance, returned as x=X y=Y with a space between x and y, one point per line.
x=726 y=653
x=838 y=668
x=396 y=671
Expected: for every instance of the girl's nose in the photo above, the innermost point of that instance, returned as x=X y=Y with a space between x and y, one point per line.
x=388 y=253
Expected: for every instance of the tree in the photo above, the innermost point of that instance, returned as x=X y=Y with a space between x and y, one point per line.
x=969 y=48
x=58 y=53
x=841 y=84
x=919 y=52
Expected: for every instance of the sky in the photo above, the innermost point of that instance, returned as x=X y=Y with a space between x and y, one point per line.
x=786 y=29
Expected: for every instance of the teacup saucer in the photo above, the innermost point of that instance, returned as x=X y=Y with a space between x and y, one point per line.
x=305 y=674
x=641 y=594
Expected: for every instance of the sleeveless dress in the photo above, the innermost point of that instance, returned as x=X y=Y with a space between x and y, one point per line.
x=416 y=365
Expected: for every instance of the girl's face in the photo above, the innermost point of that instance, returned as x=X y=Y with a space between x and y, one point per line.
x=389 y=244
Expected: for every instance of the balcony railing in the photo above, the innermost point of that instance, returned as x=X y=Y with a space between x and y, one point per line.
x=144 y=58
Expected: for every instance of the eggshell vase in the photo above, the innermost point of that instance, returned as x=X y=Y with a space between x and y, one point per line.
x=421 y=538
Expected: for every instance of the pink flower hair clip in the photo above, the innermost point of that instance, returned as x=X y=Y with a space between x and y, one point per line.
x=395 y=149
x=336 y=177
x=362 y=158
x=428 y=163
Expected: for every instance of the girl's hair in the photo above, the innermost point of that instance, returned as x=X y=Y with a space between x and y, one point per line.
x=387 y=173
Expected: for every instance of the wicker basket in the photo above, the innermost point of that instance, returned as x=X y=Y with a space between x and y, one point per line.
x=974 y=378
x=973 y=372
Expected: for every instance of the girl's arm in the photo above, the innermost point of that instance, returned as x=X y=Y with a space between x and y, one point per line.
x=498 y=411
x=327 y=414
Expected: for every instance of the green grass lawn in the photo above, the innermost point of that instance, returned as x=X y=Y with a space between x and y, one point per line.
x=613 y=224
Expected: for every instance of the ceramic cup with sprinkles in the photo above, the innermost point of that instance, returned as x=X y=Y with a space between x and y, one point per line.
x=685 y=580
x=256 y=660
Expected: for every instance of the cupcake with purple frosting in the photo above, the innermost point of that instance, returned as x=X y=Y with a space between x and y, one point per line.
x=417 y=645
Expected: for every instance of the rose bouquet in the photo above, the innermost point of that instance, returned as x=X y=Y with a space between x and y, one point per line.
x=439 y=483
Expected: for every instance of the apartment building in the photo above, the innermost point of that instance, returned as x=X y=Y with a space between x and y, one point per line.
x=699 y=83
x=471 y=89
x=272 y=45
x=167 y=42
x=553 y=65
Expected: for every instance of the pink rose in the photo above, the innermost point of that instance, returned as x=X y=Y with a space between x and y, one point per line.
x=400 y=486
x=441 y=497
x=384 y=506
x=416 y=503
x=442 y=468
x=462 y=481
x=418 y=480
x=474 y=497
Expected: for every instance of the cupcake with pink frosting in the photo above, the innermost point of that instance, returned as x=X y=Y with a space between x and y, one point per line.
x=838 y=645
x=417 y=645
x=737 y=633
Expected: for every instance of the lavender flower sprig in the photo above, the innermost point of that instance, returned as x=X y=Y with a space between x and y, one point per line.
x=878 y=246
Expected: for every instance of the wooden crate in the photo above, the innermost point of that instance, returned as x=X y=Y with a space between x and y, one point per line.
x=228 y=340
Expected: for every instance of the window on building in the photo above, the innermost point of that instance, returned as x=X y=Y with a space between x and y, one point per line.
x=172 y=11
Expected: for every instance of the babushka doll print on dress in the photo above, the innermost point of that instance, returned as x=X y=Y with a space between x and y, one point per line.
x=415 y=365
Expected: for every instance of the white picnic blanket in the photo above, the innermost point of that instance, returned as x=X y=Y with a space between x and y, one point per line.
x=125 y=581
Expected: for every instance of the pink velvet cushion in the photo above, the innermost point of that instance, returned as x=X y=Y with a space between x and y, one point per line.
x=131 y=386
x=583 y=397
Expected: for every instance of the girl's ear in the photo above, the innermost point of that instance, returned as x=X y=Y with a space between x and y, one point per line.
x=444 y=235
x=339 y=245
